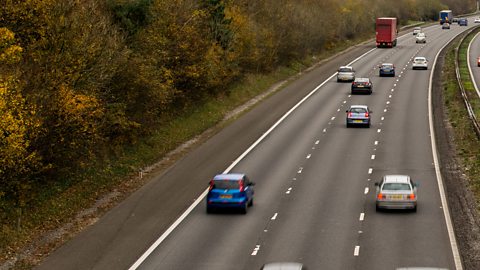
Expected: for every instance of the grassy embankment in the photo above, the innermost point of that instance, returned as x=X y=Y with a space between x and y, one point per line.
x=466 y=142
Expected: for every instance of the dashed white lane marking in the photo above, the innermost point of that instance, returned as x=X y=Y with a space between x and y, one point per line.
x=362 y=216
x=338 y=110
x=356 y=252
x=375 y=143
x=274 y=216
x=397 y=81
x=390 y=96
x=333 y=118
x=394 y=85
x=366 y=190
x=300 y=170
x=370 y=170
x=288 y=191
x=385 y=110
x=388 y=102
x=373 y=157
x=344 y=101
x=324 y=130
x=379 y=130
x=383 y=118
x=317 y=142
x=255 y=250
x=309 y=155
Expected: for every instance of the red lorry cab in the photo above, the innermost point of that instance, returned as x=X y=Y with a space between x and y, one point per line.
x=386 y=32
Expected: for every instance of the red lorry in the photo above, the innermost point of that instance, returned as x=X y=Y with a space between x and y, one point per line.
x=386 y=32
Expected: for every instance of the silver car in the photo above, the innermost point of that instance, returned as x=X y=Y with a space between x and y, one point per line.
x=358 y=115
x=396 y=192
x=283 y=266
x=345 y=73
x=420 y=62
x=417 y=30
x=421 y=38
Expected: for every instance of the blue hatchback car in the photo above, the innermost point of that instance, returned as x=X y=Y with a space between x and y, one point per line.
x=387 y=69
x=233 y=190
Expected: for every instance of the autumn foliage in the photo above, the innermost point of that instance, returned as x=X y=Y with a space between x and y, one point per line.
x=80 y=80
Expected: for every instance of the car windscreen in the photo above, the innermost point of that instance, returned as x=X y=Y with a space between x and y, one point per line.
x=226 y=184
x=345 y=70
x=387 y=66
x=396 y=186
x=358 y=110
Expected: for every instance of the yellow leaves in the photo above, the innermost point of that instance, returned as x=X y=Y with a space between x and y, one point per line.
x=9 y=52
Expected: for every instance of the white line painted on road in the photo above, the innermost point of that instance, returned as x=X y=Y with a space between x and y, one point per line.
x=344 y=101
x=385 y=110
x=362 y=216
x=274 y=216
x=375 y=143
x=309 y=155
x=388 y=102
x=300 y=170
x=338 y=110
x=370 y=170
x=373 y=157
x=356 y=252
x=366 y=190
x=255 y=250
x=333 y=118
x=317 y=142
x=379 y=130
x=324 y=130
x=389 y=96
x=288 y=191
x=202 y=196
x=383 y=118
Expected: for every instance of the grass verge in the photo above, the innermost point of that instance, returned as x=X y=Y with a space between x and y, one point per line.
x=466 y=143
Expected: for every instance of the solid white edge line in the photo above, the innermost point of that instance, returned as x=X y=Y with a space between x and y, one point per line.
x=204 y=193
x=470 y=67
x=451 y=234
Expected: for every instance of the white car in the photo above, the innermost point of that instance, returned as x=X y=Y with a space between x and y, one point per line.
x=417 y=30
x=421 y=38
x=477 y=20
x=346 y=73
x=420 y=62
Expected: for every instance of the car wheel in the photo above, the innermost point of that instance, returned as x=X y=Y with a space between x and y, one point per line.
x=368 y=125
x=348 y=125
x=250 y=203
x=244 y=209
x=209 y=210
x=377 y=208
x=338 y=80
x=414 y=209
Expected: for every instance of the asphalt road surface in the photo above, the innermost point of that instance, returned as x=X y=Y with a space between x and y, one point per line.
x=315 y=193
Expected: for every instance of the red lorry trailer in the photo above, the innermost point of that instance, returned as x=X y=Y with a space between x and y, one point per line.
x=386 y=32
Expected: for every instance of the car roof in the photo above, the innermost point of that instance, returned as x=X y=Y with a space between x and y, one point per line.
x=396 y=178
x=384 y=64
x=358 y=106
x=417 y=28
x=362 y=79
x=282 y=266
x=420 y=57
x=229 y=176
x=345 y=67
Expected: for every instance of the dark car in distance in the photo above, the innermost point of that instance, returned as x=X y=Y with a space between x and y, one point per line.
x=386 y=69
x=362 y=86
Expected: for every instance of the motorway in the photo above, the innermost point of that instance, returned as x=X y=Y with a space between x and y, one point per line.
x=315 y=193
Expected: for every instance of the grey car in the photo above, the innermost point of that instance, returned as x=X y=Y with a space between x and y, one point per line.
x=396 y=192
x=283 y=266
x=345 y=74
x=358 y=115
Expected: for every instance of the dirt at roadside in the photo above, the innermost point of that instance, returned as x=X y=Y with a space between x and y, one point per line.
x=461 y=200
